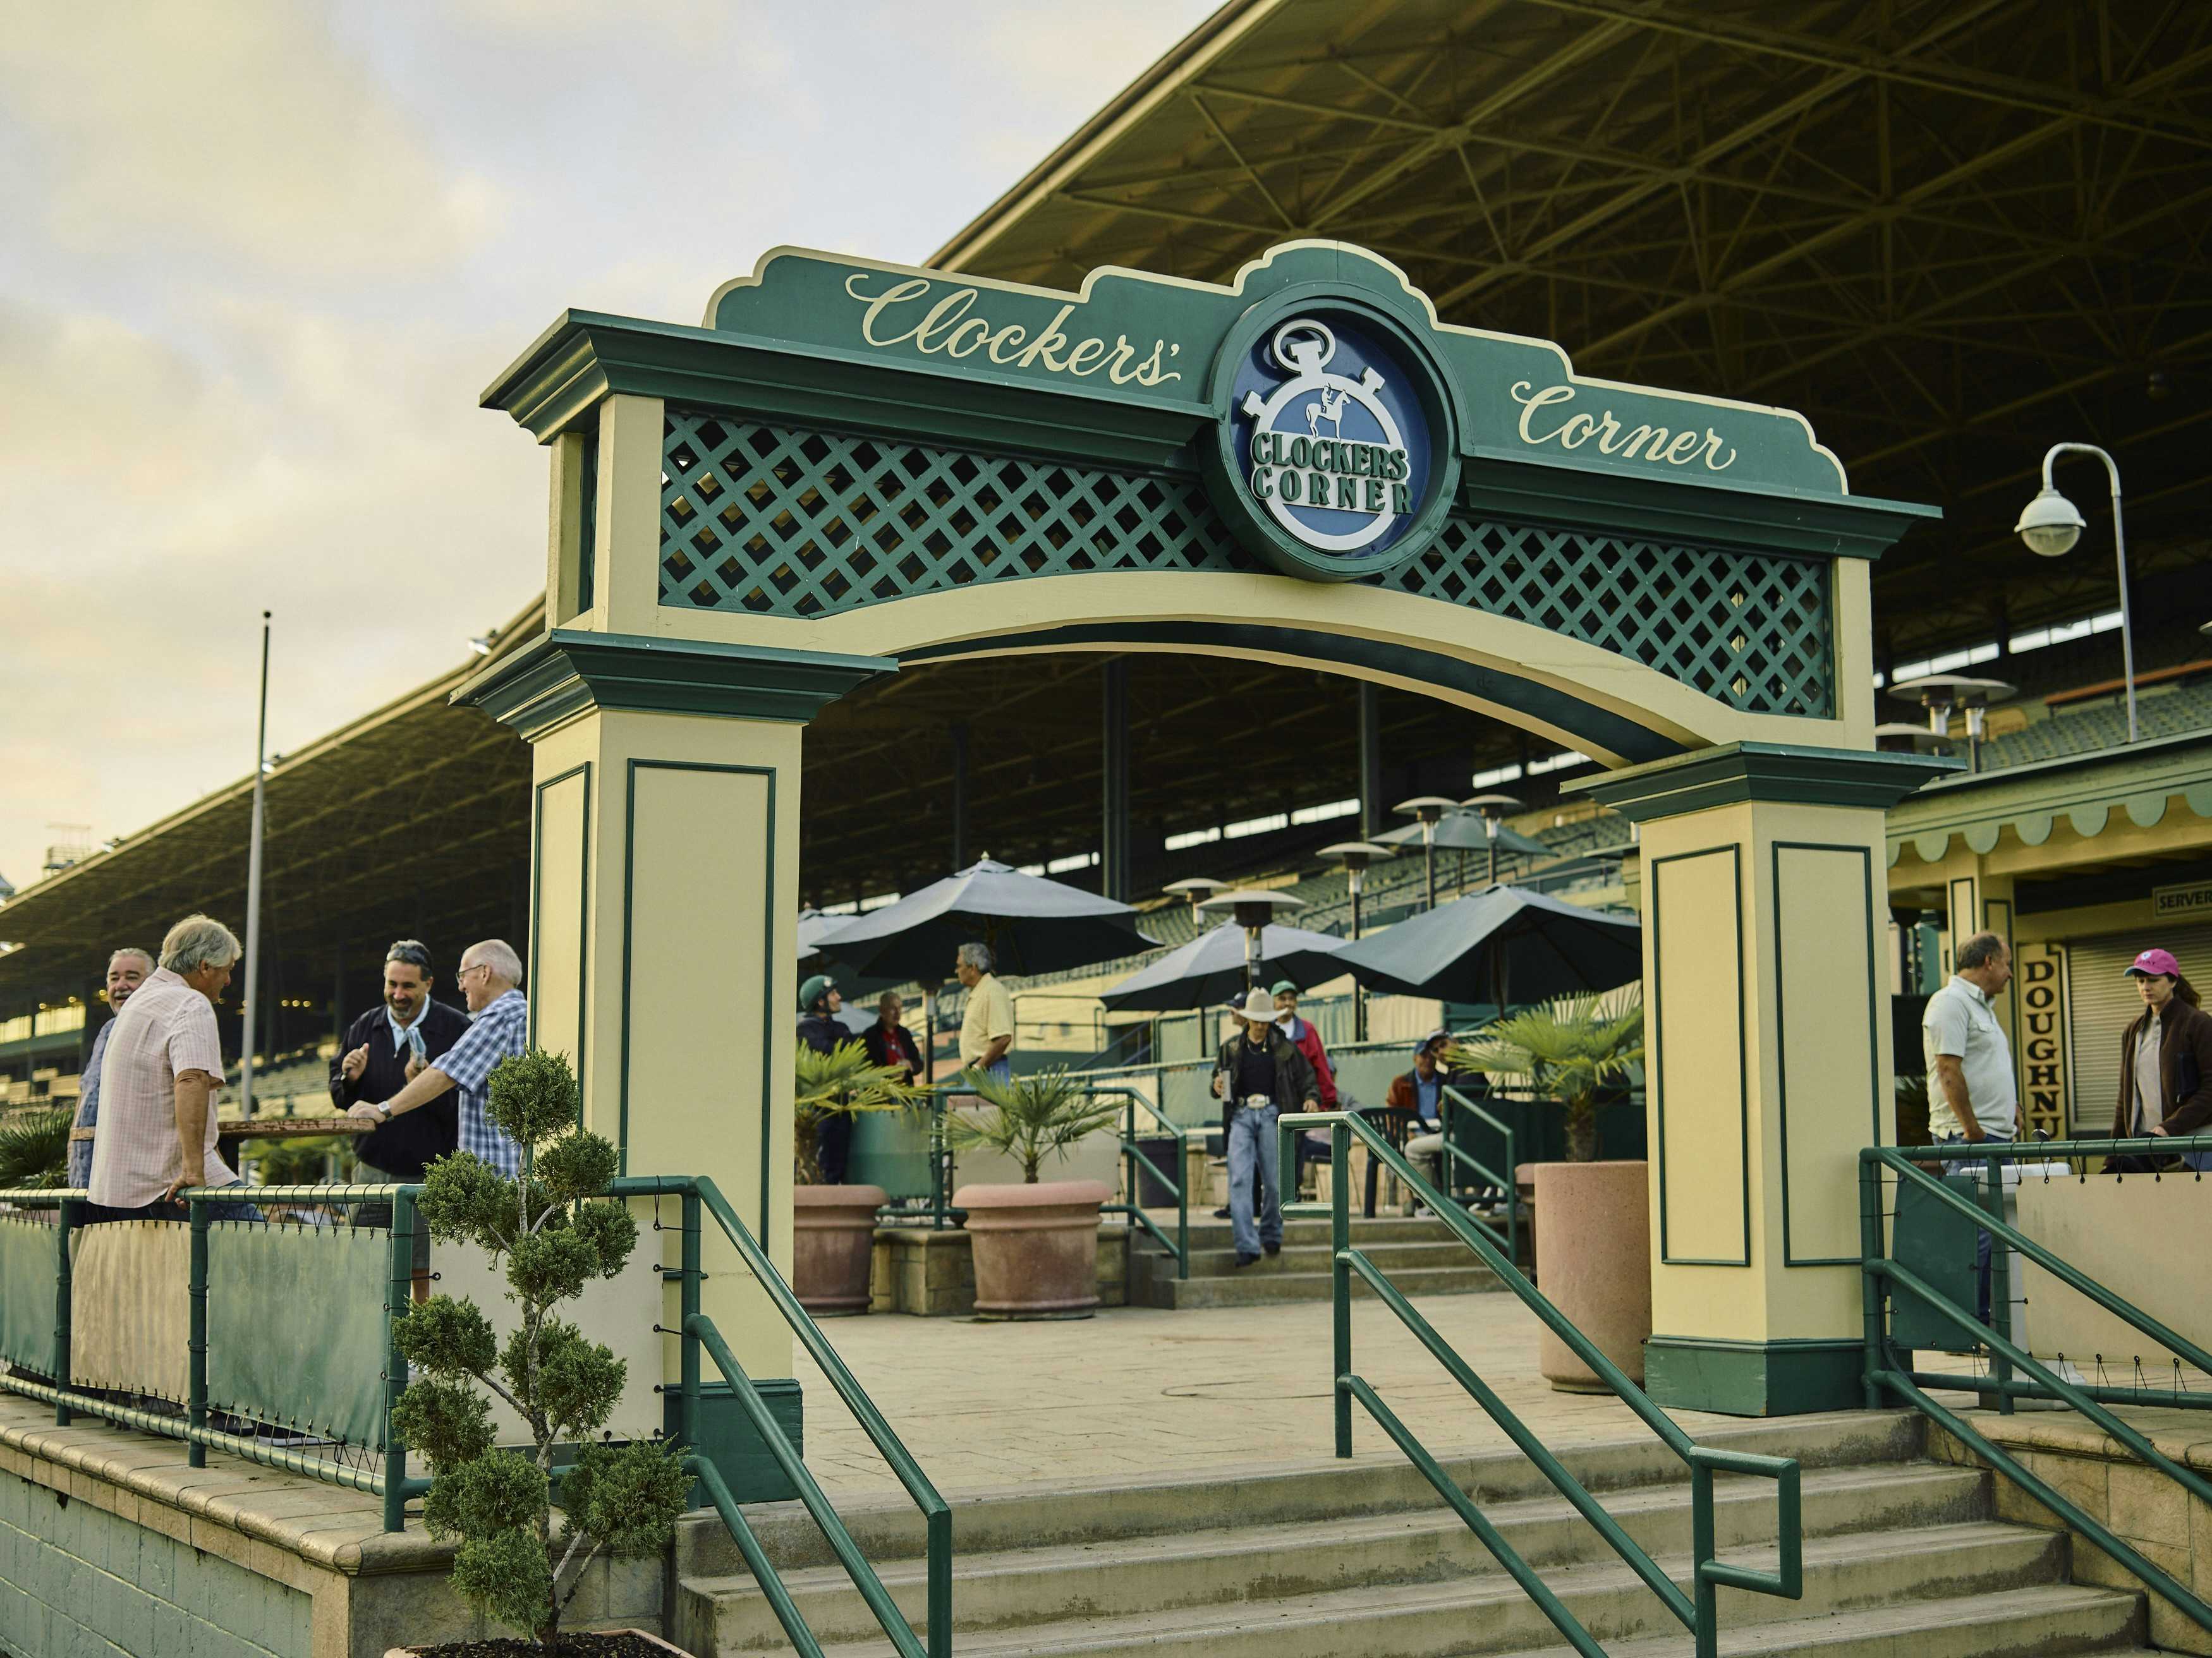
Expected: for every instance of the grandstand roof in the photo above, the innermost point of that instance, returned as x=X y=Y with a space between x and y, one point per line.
x=1950 y=232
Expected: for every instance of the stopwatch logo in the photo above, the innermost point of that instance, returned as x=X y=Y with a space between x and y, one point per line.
x=1336 y=492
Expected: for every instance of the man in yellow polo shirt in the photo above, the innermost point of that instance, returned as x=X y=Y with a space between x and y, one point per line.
x=987 y=1031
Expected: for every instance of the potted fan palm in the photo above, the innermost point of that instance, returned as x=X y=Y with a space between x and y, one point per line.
x=34 y=1149
x=833 y=1227
x=1593 y=1218
x=1035 y=1244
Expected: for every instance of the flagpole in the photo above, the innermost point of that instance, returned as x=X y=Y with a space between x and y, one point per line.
x=253 y=888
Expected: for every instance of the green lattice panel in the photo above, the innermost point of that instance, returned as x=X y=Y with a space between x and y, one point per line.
x=784 y=522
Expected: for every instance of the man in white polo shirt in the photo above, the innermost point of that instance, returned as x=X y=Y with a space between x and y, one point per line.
x=158 y=1081
x=1971 y=1093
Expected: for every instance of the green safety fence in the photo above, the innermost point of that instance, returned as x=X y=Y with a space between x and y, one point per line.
x=1698 y=1609
x=296 y=1335
x=1919 y=1280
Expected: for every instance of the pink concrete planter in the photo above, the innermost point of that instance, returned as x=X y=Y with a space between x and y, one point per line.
x=586 y=1637
x=1035 y=1247
x=833 y=1240
x=1594 y=1256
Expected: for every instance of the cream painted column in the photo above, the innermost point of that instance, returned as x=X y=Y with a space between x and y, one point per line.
x=1976 y=900
x=665 y=897
x=1766 y=986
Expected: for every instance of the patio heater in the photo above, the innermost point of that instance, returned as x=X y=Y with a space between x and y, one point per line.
x=1352 y=857
x=1939 y=693
x=1252 y=909
x=1493 y=808
x=1197 y=888
x=1429 y=809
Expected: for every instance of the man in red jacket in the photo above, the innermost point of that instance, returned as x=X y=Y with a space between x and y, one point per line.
x=1306 y=1039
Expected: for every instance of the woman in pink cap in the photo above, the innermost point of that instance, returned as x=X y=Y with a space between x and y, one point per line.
x=2166 y=1063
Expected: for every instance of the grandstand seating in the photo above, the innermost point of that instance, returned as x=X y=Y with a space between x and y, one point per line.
x=2160 y=712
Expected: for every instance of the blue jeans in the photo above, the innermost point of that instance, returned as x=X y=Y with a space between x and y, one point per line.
x=1255 y=1148
x=1981 y=1239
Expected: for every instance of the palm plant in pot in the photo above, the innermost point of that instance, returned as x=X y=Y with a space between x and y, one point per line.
x=1593 y=1219
x=1035 y=1244
x=833 y=1227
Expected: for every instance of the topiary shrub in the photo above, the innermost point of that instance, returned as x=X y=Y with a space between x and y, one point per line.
x=556 y=1229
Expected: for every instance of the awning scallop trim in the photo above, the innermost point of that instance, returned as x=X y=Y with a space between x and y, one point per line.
x=2145 y=810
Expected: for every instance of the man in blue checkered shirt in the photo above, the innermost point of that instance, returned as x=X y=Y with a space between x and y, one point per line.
x=491 y=977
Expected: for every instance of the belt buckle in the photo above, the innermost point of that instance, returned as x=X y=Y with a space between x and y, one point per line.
x=1258 y=1102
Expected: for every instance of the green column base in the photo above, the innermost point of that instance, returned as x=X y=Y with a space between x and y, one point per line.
x=1754 y=1378
x=727 y=1438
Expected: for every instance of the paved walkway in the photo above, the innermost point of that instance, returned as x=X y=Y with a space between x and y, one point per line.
x=1138 y=1391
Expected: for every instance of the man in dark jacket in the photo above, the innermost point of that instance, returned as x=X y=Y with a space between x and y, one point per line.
x=2166 y=1064
x=382 y=1054
x=1259 y=1074
x=818 y=1029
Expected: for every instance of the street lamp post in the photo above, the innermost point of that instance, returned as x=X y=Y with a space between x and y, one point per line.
x=1939 y=693
x=1352 y=857
x=2051 y=524
x=1493 y=808
x=1429 y=809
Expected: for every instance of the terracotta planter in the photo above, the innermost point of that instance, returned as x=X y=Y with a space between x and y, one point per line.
x=1593 y=1248
x=1035 y=1247
x=833 y=1241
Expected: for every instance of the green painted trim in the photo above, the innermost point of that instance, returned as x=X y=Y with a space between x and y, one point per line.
x=570 y=671
x=768 y=1014
x=2030 y=799
x=1732 y=773
x=1790 y=1258
x=1600 y=727
x=1734 y=854
x=1792 y=1377
x=728 y=1439
x=2003 y=926
x=582 y=768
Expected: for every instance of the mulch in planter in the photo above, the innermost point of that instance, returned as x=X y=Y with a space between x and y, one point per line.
x=565 y=1645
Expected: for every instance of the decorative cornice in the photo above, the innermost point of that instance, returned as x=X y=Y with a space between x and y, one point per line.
x=1736 y=772
x=570 y=671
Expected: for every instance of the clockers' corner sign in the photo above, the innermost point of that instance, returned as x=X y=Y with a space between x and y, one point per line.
x=1339 y=406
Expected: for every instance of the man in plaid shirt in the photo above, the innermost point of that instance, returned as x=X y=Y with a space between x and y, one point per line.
x=491 y=977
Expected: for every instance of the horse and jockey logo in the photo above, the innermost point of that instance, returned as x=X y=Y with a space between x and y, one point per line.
x=1337 y=492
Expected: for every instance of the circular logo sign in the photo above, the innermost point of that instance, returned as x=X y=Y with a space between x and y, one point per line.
x=1329 y=452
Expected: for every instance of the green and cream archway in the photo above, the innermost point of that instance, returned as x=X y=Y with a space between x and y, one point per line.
x=852 y=466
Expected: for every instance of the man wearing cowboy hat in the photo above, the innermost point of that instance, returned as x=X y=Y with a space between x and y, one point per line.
x=1257 y=1074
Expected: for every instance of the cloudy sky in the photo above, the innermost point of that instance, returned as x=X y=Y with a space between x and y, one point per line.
x=260 y=257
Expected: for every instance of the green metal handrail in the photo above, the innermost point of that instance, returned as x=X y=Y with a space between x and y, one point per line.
x=1698 y=1610
x=392 y=1482
x=1455 y=1101
x=698 y=1332
x=1884 y=1371
x=1133 y=1157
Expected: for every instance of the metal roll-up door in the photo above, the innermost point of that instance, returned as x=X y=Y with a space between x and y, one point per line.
x=2104 y=1001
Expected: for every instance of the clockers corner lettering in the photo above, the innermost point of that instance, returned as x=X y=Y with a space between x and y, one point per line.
x=1541 y=422
x=1366 y=477
x=898 y=316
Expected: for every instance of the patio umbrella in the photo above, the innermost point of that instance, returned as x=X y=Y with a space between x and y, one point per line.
x=1210 y=968
x=1462 y=831
x=1504 y=944
x=813 y=927
x=1031 y=924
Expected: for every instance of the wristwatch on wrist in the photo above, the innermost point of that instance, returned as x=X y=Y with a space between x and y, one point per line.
x=383 y=1112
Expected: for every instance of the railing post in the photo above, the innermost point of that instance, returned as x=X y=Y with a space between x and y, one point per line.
x=1182 y=1206
x=1339 y=1239
x=1512 y=1195
x=687 y=1396
x=2000 y=1284
x=196 y=1368
x=1705 y=1596
x=64 y=1222
x=1871 y=1249
x=939 y=1524
x=399 y=1298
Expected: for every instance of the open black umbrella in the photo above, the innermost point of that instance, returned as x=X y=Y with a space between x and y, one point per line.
x=1031 y=924
x=1503 y=945
x=1210 y=968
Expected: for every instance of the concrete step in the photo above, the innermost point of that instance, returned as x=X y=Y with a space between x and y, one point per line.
x=1259 y=1286
x=1392 y=1257
x=2051 y=1620
x=887 y=1528
x=1207 y=1233
x=1490 y=1614
x=1141 y=1576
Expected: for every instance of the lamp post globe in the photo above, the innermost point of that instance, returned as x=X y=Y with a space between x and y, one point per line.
x=2050 y=524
